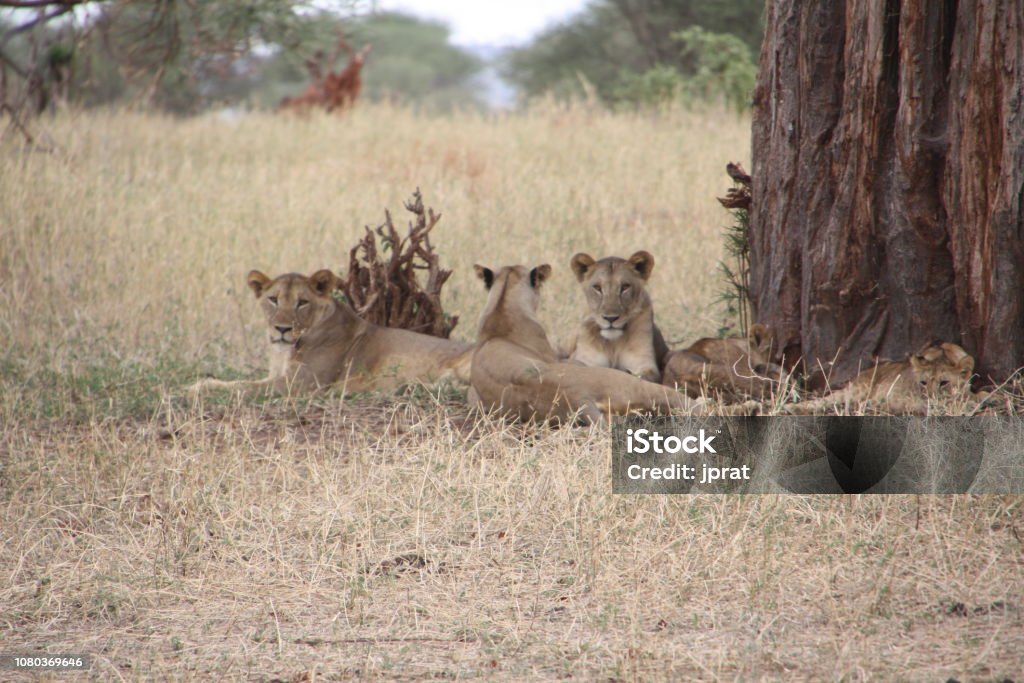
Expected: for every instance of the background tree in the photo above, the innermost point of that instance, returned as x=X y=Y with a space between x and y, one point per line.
x=166 y=51
x=641 y=51
x=184 y=56
x=888 y=181
x=31 y=69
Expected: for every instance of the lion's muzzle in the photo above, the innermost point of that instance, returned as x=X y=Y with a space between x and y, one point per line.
x=281 y=335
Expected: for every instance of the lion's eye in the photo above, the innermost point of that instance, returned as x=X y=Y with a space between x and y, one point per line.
x=924 y=383
x=597 y=288
x=623 y=289
x=272 y=299
x=943 y=382
x=301 y=303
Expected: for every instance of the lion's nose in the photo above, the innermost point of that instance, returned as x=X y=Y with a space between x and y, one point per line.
x=610 y=318
x=282 y=329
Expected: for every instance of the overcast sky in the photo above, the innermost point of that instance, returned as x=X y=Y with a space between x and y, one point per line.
x=489 y=22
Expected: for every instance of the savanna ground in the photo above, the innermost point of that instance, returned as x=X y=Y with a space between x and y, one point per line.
x=400 y=536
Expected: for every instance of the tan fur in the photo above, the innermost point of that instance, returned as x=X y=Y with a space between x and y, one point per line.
x=733 y=368
x=516 y=372
x=316 y=341
x=618 y=329
x=935 y=372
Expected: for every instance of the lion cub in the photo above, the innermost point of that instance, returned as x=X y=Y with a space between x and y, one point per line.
x=515 y=369
x=937 y=371
x=316 y=340
x=618 y=329
x=734 y=367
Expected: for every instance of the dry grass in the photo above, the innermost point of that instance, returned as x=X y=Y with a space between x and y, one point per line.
x=400 y=537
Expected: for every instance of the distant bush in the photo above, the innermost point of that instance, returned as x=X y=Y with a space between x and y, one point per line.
x=722 y=70
x=644 y=53
x=724 y=67
x=657 y=86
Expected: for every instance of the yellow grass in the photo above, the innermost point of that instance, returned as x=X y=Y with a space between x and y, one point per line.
x=398 y=536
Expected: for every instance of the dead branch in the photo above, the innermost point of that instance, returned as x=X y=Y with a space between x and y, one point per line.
x=737 y=197
x=388 y=291
x=342 y=46
x=40 y=4
x=328 y=89
x=41 y=19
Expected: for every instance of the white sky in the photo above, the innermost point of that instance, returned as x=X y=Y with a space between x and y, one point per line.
x=489 y=22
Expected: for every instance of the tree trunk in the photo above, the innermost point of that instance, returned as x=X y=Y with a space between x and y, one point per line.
x=888 y=193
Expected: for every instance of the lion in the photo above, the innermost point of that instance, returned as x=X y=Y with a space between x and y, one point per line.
x=516 y=372
x=316 y=341
x=941 y=370
x=734 y=368
x=618 y=329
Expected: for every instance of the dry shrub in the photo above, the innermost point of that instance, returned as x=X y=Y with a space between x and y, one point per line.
x=388 y=292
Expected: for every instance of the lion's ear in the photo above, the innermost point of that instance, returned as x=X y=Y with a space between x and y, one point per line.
x=956 y=354
x=539 y=274
x=643 y=263
x=759 y=337
x=580 y=264
x=964 y=361
x=323 y=281
x=485 y=274
x=257 y=282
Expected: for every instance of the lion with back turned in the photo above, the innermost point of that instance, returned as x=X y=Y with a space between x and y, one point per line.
x=316 y=341
x=618 y=329
x=516 y=372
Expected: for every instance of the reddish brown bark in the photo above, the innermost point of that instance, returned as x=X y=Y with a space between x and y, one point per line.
x=888 y=196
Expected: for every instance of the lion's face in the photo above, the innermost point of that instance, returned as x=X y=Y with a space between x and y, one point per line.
x=942 y=370
x=759 y=349
x=616 y=289
x=293 y=303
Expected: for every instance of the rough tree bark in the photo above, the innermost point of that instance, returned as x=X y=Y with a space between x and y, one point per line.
x=888 y=195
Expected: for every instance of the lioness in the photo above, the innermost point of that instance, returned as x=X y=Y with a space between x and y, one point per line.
x=316 y=341
x=937 y=371
x=734 y=367
x=516 y=371
x=618 y=329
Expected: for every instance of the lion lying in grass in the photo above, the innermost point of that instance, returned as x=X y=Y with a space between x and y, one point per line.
x=735 y=368
x=516 y=371
x=938 y=372
x=317 y=341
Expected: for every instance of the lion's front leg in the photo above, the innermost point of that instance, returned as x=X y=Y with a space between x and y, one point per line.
x=641 y=364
